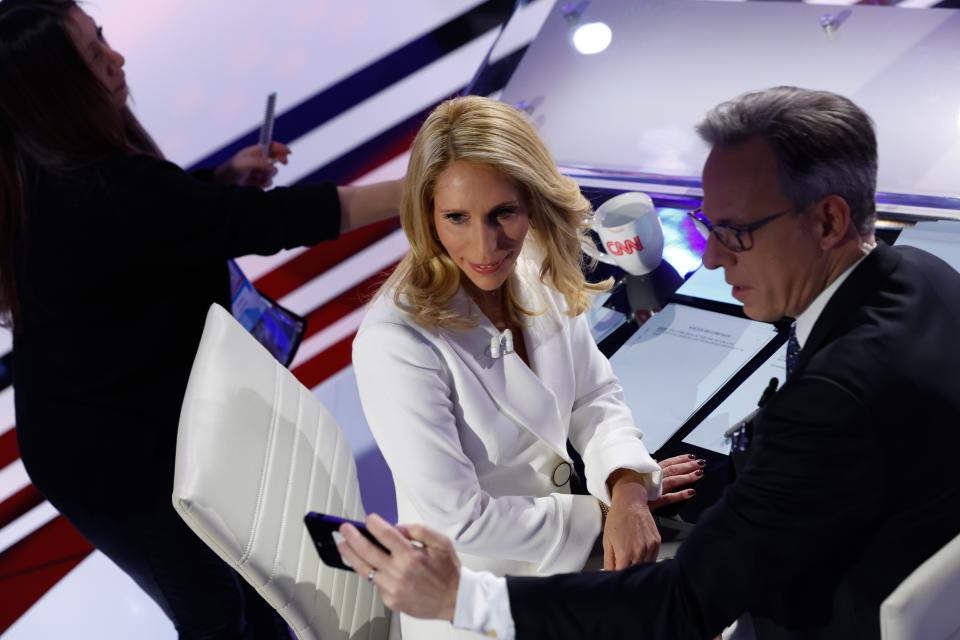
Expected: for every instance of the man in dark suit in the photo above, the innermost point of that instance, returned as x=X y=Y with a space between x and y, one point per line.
x=848 y=484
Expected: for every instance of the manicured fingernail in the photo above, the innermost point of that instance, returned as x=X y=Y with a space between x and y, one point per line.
x=691 y=456
x=702 y=462
x=699 y=472
x=691 y=492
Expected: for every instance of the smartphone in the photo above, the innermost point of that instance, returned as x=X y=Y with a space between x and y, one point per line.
x=324 y=531
x=266 y=129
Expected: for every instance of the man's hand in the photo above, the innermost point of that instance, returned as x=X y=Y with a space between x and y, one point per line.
x=249 y=168
x=417 y=579
x=678 y=473
x=629 y=536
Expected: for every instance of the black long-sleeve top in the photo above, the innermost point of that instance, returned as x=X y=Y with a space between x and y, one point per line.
x=115 y=270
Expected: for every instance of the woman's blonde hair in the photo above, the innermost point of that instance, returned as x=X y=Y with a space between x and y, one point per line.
x=491 y=133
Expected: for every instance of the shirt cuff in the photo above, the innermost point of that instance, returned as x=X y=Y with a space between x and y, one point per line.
x=483 y=605
x=601 y=461
x=652 y=482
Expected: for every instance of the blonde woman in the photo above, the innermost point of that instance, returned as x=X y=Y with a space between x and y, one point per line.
x=475 y=363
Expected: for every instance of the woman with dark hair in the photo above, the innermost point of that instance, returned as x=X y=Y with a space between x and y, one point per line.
x=109 y=259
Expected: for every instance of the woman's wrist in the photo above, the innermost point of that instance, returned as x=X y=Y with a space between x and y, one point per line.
x=604 y=512
x=627 y=485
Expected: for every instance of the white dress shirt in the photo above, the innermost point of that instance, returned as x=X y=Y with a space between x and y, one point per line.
x=483 y=603
x=805 y=321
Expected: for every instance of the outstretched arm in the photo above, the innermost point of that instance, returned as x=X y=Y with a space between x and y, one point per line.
x=801 y=507
x=366 y=204
x=359 y=205
x=422 y=577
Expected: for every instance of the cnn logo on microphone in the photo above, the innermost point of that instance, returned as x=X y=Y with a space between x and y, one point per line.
x=627 y=247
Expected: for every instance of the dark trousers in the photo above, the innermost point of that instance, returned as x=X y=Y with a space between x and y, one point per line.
x=202 y=595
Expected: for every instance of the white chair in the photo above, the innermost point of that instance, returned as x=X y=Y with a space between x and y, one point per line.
x=255 y=452
x=927 y=604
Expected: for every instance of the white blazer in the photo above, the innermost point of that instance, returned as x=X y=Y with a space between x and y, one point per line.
x=477 y=445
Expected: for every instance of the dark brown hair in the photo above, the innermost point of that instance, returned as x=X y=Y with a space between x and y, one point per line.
x=55 y=116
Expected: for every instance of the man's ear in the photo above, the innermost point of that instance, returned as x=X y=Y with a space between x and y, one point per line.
x=834 y=223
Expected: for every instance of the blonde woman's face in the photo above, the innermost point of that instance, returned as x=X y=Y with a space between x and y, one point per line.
x=481 y=220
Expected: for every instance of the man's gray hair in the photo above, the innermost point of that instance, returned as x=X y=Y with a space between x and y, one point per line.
x=824 y=144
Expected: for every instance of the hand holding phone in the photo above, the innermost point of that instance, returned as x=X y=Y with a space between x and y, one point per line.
x=323 y=529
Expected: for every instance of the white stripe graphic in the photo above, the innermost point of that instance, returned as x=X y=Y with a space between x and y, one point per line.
x=347 y=274
x=917 y=4
x=7 y=413
x=316 y=344
x=522 y=27
x=390 y=170
x=256 y=266
x=338 y=136
x=13 y=478
x=394 y=104
x=26 y=525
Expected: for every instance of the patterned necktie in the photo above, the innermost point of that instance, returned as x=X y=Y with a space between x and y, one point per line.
x=793 y=351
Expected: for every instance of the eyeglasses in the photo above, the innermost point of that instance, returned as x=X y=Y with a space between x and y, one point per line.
x=736 y=237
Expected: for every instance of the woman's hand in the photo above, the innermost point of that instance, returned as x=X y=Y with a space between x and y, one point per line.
x=249 y=168
x=678 y=473
x=629 y=536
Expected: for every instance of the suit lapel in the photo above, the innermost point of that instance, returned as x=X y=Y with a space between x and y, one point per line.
x=511 y=385
x=864 y=279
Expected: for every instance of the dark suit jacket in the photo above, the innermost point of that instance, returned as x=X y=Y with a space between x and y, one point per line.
x=115 y=271
x=851 y=484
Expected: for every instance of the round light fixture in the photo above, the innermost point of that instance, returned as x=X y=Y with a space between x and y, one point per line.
x=592 y=37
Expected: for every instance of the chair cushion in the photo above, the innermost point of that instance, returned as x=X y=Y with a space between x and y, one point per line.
x=255 y=452
x=925 y=605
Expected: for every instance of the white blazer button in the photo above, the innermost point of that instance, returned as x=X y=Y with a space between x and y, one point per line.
x=561 y=475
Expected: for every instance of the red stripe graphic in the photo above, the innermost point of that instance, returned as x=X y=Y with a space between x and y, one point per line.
x=34 y=565
x=19 y=503
x=316 y=370
x=9 y=452
x=335 y=358
x=314 y=261
x=345 y=303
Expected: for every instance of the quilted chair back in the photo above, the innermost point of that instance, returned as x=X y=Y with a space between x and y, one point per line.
x=255 y=452
x=927 y=604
